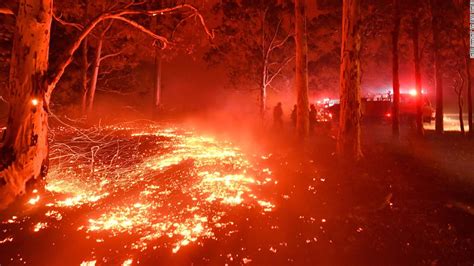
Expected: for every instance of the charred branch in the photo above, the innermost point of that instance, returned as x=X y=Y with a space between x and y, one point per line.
x=56 y=75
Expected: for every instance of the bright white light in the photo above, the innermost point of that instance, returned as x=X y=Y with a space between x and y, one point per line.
x=34 y=102
x=413 y=92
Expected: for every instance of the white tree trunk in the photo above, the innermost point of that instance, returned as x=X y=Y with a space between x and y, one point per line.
x=95 y=75
x=24 y=151
x=157 y=81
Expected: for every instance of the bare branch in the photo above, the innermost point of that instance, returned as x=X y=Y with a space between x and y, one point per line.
x=55 y=76
x=274 y=38
x=164 y=40
x=3 y=99
x=179 y=24
x=282 y=66
x=280 y=44
x=117 y=92
x=69 y=24
x=110 y=55
x=6 y=11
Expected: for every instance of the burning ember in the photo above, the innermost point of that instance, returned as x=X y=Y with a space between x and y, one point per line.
x=157 y=187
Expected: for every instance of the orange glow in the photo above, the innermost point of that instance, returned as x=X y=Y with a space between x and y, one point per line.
x=34 y=200
x=172 y=195
x=34 y=102
x=413 y=92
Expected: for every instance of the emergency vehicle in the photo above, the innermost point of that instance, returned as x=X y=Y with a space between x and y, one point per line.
x=378 y=108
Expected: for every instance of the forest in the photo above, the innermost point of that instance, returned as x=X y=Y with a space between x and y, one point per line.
x=265 y=132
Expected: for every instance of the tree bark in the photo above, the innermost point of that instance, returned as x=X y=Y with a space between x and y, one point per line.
x=460 y=115
x=439 y=126
x=85 y=81
x=459 y=92
x=158 y=66
x=85 y=66
x=263 y=100
x=157 y=80
x=469 y=93
x=467 y=61
x=24 y=151
x=95 y=75
x=348 y=143
x=302 y=118
x=417 y=61
x=395 y=70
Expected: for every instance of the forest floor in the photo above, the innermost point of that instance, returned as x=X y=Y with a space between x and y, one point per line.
x=162 y=194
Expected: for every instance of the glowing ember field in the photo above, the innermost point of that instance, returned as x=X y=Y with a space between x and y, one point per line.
x=123 y=191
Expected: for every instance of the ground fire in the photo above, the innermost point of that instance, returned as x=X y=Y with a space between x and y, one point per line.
x=232 y=132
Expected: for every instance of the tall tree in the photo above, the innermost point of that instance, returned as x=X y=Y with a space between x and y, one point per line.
x=415 y=36
x=348 y=143
x=96 y=64
x=463 y=25
x=158 y=58
x=85 y=63
x=457 y=56
x=255 y=56
x=458 y=89
x=24 y=151
x=435 y=29
x=395 y=69
x=301 y=79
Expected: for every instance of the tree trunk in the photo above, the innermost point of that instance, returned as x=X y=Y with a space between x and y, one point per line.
x=395 y=70
x=467 y=61
x=95 y=74
x=469 y=93
x=348 y=143
x=157 y=80
x=85 y=66
x=85 y=83
x=439 y=127
x=461 y=119
x=417 y=61
x=24 y=151
x=302 y=118
x=460 y=110
x=263 y=92
x=158 y=65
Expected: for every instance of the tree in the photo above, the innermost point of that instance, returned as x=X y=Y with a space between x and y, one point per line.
x=395 y=69
x=348 y=143
x=24 y=151
x=85 y=64
x=463 y=27
x=256 y=34
x=98 y=58
x=435 y=28
x=301 y=80
x=458 y=89
x=158 y=58
x=415 y=36
x=458 y=54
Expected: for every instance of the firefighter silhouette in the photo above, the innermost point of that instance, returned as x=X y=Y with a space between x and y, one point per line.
x=278 y=116
x=293 y=116
x=313 y=113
